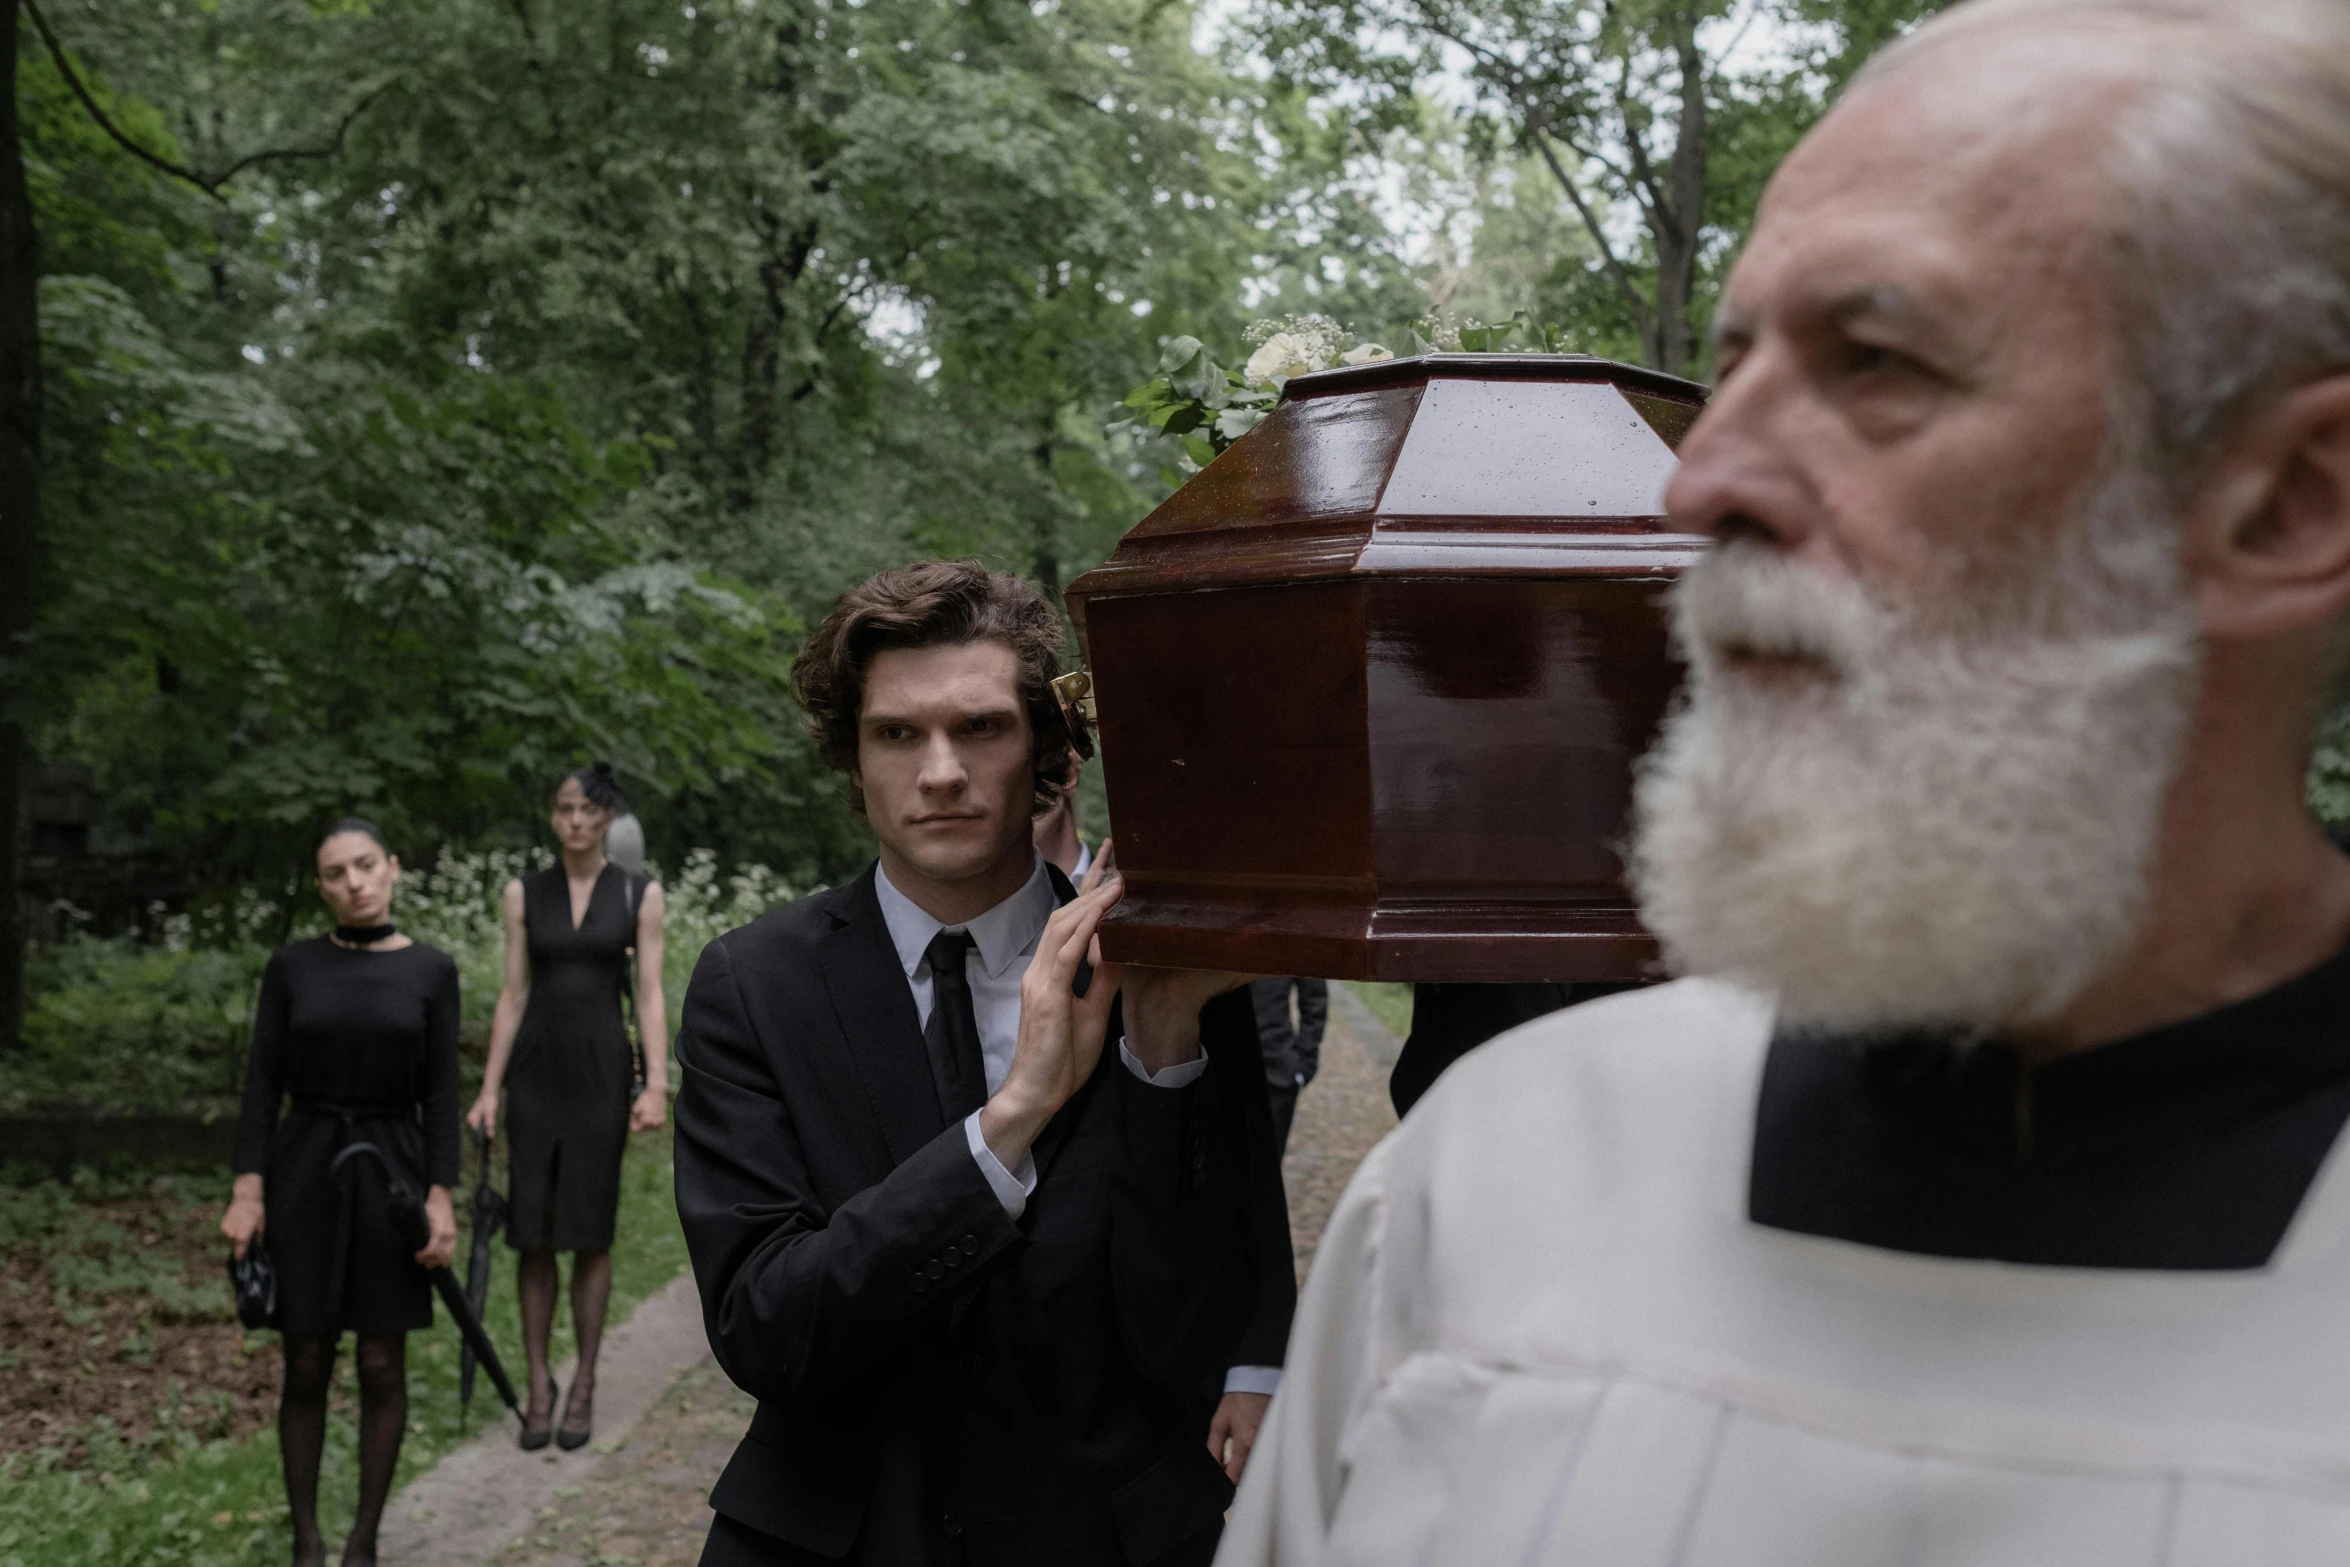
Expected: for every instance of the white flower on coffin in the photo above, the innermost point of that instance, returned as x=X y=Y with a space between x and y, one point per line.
x=1364 y=355
x=1282 y=355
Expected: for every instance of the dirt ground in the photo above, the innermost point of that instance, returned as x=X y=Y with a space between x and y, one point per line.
x=114 y=1313
x=642 y=1501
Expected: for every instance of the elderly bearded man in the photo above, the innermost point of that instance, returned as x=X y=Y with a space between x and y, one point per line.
x=1982 y=1200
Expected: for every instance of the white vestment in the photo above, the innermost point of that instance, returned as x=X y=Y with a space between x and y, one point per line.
x=1541 y=1331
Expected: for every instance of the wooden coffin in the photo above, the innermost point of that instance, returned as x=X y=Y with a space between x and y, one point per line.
x=1371 y=685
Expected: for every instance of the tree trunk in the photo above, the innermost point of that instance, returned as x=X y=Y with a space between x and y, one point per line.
x=1679 y=226
x=1045 y=562
x=20 y=523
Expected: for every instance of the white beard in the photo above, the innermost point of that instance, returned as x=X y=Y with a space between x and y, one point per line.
x=1952 y=828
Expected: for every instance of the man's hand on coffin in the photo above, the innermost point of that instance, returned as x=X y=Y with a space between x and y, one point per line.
x=1060 y=1033
x=1162 y=1012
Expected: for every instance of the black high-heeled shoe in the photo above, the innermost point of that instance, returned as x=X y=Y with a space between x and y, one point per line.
x=535 y=1437
x=567 y=1439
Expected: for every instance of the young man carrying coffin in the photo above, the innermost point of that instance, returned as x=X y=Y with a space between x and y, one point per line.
x=1006 y=1265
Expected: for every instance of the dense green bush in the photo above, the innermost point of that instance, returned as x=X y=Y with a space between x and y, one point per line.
x=118 y=1022
x=148 y=1025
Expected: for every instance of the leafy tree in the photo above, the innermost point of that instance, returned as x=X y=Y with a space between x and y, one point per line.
x=20 y=523
x=447 y=391
x=1653 y=120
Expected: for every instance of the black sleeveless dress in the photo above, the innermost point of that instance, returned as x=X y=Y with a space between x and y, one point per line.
x=572 y=1075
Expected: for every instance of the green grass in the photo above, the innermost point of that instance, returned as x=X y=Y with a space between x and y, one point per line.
x=222 y=1504
x=1389 y=1002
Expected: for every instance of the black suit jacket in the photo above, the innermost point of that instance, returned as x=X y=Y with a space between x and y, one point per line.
x=937 y=1382
x=1449 y=1021
x=1292 y=1051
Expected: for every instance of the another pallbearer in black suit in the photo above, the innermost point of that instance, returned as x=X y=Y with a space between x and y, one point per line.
x=1007 y=1271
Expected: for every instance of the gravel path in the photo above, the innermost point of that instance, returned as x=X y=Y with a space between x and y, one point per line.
x=644 y=1502
x=488 y=1492
x=1343 y=1111
x=638 y=1497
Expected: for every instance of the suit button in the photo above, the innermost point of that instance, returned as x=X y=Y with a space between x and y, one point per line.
x=952 y=1257
x=971 y=1364
x=936 y=1267
x=970 y=1245
x=952 y=1523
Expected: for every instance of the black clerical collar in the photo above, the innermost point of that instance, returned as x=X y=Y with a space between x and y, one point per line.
x=364 y=935
x=2189 y=1146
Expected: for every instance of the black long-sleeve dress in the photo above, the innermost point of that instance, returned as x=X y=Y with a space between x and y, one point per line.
x=365 y=1045
x=573 y=1073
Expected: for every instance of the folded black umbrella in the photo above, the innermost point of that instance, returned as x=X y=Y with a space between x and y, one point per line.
x=489 y=1217
x=407 y=1213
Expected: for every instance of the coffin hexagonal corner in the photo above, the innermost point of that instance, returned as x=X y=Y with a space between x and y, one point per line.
x=1371 y=685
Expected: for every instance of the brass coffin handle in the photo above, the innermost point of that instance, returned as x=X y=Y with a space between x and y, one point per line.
x=1074 y=691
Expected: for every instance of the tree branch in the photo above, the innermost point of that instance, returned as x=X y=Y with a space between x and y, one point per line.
x=332 y=149
x=1659 y=206
x=210 y=186
x=1505 y=75
x=1615 y=268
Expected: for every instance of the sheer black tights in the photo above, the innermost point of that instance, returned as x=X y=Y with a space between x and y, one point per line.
x=301 y=1434
x=537 y=1279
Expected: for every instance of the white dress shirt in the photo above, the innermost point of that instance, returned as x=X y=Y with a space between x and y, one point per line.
x=1003 y=940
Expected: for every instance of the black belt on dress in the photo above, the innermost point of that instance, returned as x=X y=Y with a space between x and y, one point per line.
x=346 y=1199
x=357 y=1110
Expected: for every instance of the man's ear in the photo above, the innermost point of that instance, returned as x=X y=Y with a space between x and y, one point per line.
x=2269 y=543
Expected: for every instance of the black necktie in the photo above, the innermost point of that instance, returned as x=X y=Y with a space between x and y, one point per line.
x=952 y=1033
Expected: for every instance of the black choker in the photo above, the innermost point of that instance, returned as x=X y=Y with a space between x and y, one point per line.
x=363 y=935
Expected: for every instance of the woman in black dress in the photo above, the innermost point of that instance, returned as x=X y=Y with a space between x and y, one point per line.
x=559 y=1050
x=360 y=1029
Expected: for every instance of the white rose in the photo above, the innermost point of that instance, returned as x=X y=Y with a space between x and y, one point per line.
x=1364 y=355
x=1283 y=355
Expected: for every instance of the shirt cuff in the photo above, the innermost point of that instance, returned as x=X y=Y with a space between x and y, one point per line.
x=1012 y=1188
x=1253 y=1379
x=1181 y=1075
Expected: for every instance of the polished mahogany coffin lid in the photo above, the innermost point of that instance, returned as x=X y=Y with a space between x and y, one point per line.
x=1371 y=684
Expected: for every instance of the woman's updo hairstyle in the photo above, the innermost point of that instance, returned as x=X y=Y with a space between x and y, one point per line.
x=601 y=785
x=346 y=824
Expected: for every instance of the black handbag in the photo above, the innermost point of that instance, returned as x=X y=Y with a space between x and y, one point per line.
x=252 y=1278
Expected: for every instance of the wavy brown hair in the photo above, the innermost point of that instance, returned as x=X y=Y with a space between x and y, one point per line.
x=928 y=604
